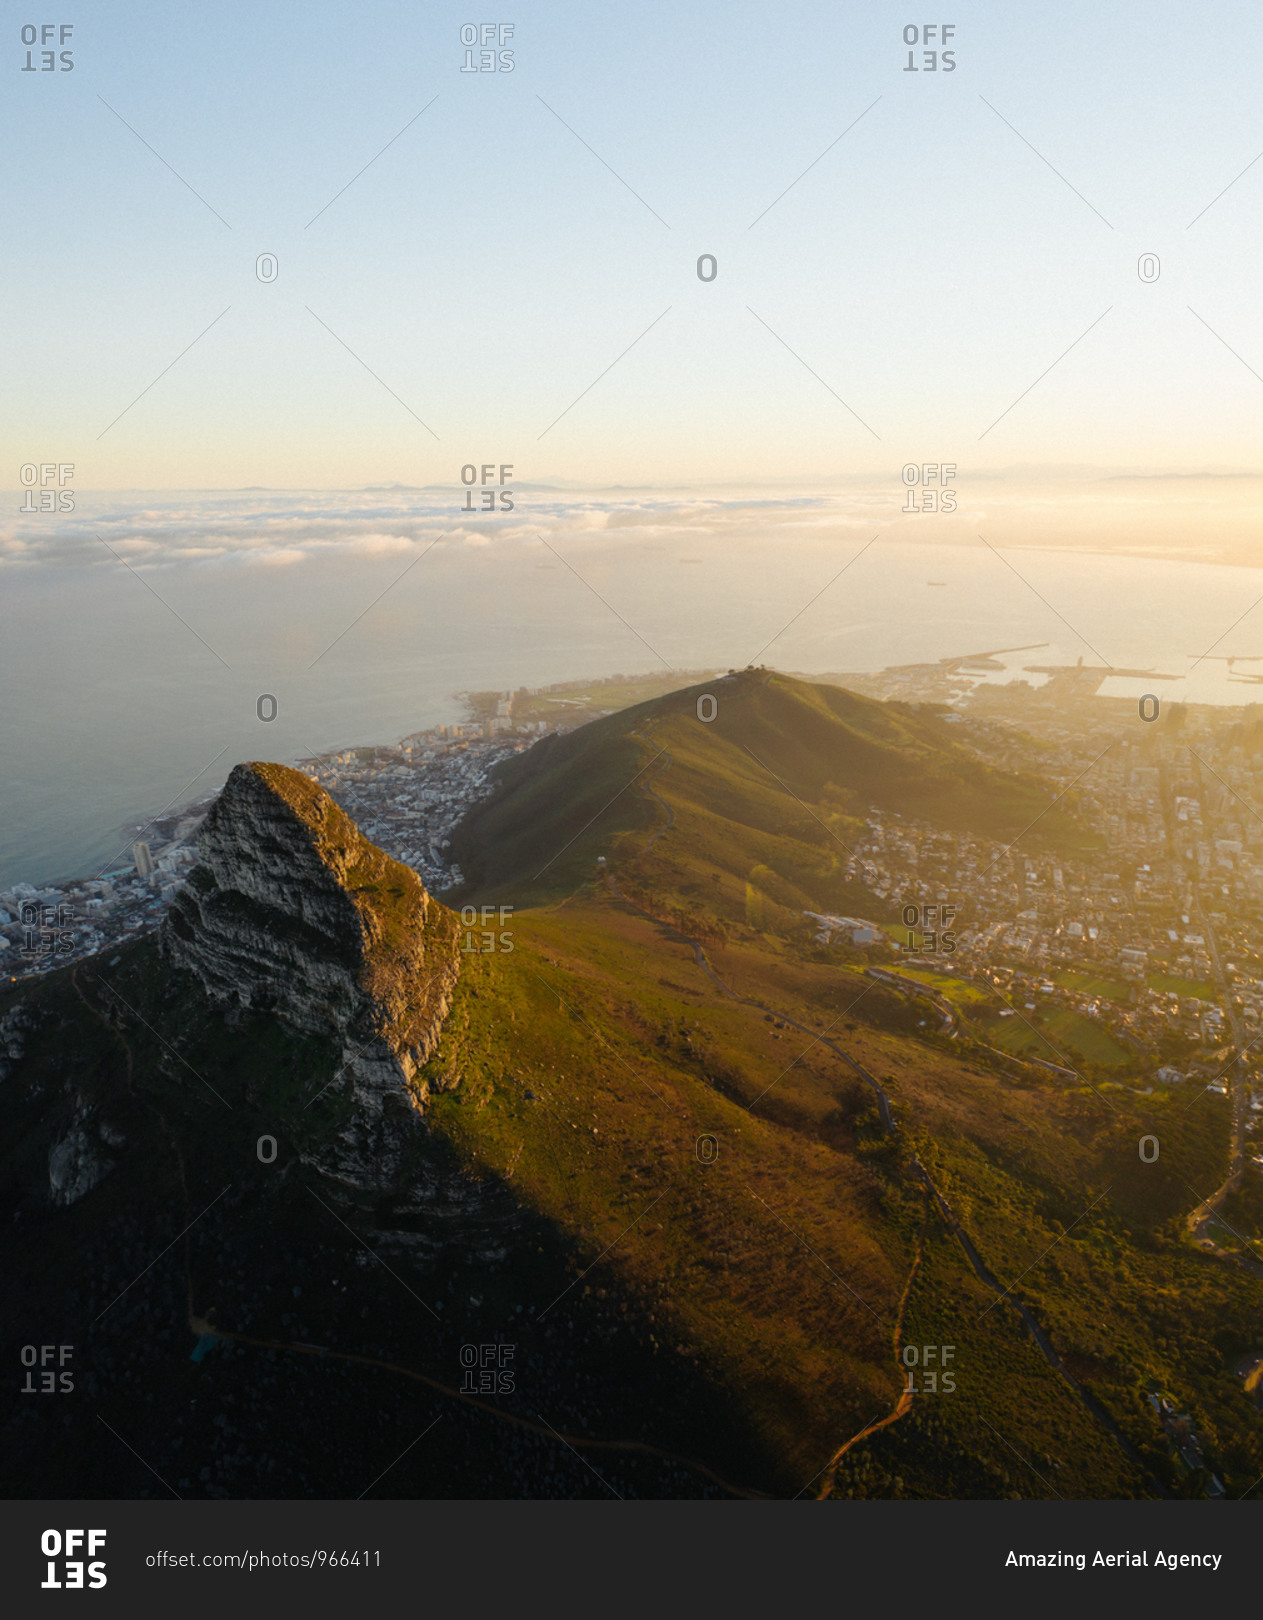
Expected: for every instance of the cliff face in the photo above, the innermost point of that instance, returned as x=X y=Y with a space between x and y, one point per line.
x=292 y=911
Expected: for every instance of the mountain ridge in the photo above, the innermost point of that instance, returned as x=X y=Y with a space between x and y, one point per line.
x=678 y=1202
x=290 y=910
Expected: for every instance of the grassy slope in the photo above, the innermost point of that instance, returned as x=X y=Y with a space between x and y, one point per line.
x=632 y=1056
x=612 y=1024
x=770 y=1257
x=775 y=779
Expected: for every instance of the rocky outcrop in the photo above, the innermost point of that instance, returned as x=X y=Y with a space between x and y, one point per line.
x=290 y=910
x=75 y=1166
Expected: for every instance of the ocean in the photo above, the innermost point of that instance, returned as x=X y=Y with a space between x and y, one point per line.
x=129 y=689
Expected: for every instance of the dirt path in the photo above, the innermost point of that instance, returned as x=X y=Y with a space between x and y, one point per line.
x=904 y=1404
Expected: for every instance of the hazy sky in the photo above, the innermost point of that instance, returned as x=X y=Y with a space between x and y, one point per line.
x=502 y=267
x=489 y=267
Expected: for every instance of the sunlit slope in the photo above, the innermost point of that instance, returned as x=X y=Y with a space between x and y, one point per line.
x=731 y=1175
x=761 y=1255
x=722 y=830
x=777 y=778
x=650 y=1070
x=759 y=1217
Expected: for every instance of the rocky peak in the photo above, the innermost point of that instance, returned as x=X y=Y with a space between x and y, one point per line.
x=292 y=911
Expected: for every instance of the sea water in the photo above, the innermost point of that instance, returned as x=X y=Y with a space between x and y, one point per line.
x=129 y=689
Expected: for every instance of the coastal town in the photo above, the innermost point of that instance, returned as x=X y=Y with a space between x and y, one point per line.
x=1143 y=951
x=406 y=798
x=1127 y=957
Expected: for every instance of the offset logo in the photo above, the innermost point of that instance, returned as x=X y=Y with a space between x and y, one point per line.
x=935 y=479
x=936 y=34
x=46 y=929
x=489 y=36
x=483 y=475
x=494 y=1364
x=923 y=1377
x=59 y=1548
x=48 y=34
x=59 y=499
x=50 y=1381
x=930 y=922
x=487 y=936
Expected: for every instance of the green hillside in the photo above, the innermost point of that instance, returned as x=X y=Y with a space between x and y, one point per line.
x=715 y=836
x=710 y=1180
x=777 y=779
x=599 y=1053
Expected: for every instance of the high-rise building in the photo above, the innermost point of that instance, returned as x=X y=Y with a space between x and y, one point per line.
x=142 y=858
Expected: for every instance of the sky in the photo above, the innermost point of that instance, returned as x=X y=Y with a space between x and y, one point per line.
x=709 y=280
x=908 y=267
